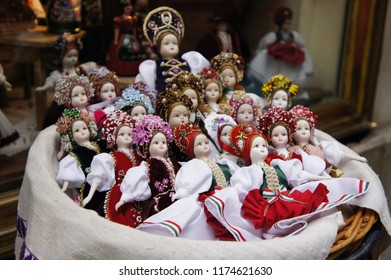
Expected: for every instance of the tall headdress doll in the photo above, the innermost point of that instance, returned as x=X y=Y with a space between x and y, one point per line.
x=279 y=91
x=243 y=108
x=78 y=131
x=164 y=28
x=108 y=169
x=186 y=216
x=153 y=181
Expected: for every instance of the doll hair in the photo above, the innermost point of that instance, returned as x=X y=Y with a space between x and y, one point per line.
x=65 y=85
x=279 y=82
x=99 y=77
x=168 y=100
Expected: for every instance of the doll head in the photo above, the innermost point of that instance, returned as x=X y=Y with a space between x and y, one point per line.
x=164 y=28
x=244 y=109
x=305 y=124
x=73 y=91
x=75 y=128
x=211 y=85
x=136 y=104
x=279 y=91
x=191 y=141
x=219 y=127
x=230 y=67
x=283 y=16
x=117 y=129
x=242 y=137
x=174 y=107
x=69 y=47
x=190 y=86
x=151 y=134
x=278 y=125
x=105 y=83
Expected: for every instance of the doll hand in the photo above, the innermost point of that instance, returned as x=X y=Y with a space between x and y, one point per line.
x=362 y=159
x=64 y=186
x=119 y=204
x=42 y=88
x=85 y=201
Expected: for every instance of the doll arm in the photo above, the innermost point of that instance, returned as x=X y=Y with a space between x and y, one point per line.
x=247 y=178
x=332 y=152
x=188 y=182
x=135 y=186
x=354 y=157
x=266 y=40
x=311 y=163
x=102 y=172
x=93 y=188
x=88 y=66
x=69 y=170
x=147 y=73
x=196 y=61
x=50 y=81
x=65 y=186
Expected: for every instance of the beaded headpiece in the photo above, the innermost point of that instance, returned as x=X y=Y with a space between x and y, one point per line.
x=162 y=20
x=168 y=100
x=65 y=122
x=65 y=85
x=274 y=117
x=209 y=75
x=99 y=77
x=184 y=135
x=229 y=60
x=239 y=98
x=279 y=82
x=144 y=131
x=300 y=112
x=241 y=138
x=112 y=123
x=214 y=124
x=66 y=42
x=185 y=80
x=146 y=90
x=132 y=97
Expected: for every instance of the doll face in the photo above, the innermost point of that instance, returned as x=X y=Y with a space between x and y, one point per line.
x=280 y=100
x=179 y=115
x=228 y=77
x=259 y=151
x=225 y=135
x=70 y=58
x=80 y=132
x=191 y=93
x=158 y=146
x=245 y=114
x=107 y=91
x=212 y=92
x=201 y=146
x=169 y=47
x=279 y=137
x=124 y=137
x=302 y=133
x=138 y=112
x=79 y=98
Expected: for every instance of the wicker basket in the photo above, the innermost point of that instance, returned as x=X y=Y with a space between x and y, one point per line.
x=352 y=233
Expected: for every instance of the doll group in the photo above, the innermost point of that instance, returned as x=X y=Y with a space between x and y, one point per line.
x=184 y=151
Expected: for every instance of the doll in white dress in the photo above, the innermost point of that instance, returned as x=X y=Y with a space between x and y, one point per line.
x=164 y=28
x=195 y=181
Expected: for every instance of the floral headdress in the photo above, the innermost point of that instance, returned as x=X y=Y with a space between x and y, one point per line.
x=66 y=42
x=274 y=117
x=162 y=20
x=65 y=85
x=132 y=97
x=214 y=123
x=241 y=138
x=184 y=135
x=146 y=90
x=112 y=123
x=99 y=77
x=300 y=112
x=144 y=131
x=185 y=80
x=279 y=82
x=239 y=98
x=168 y=100
x=229 y=60
x=209 y=75
x=65 y=122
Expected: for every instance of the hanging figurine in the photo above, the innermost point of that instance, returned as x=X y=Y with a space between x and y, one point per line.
x=164 y=28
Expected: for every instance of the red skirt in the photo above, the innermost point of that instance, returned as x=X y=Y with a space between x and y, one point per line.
x=286 y=52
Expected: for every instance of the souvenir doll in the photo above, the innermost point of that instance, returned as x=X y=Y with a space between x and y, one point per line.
x=164 y=28
x=262 y=194
x=125 y=53
x=279 y=91
x=186 y=216
x=282 y=51
x=78 y=131
x=304 y=139
x=107 y=90
x=189 y=85
x=243 y=108
x=152 y=182
x=135 y=102
x=108 y=169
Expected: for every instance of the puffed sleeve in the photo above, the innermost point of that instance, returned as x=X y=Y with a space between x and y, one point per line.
x=102 y=172
x=147 y=73
x=69 y=170
x=266 y=40
x=247 y=178
x=298 y=39
x=233 y=167
x=135 y=185
x=193 y=177
x=332 y=152
x=293 y=170
x=196 y=61
x=312 y=164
